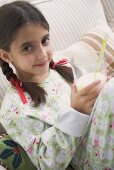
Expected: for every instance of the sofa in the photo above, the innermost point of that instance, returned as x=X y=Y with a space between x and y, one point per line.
x=76 y=28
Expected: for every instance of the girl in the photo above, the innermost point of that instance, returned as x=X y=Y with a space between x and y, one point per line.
x=42 y=111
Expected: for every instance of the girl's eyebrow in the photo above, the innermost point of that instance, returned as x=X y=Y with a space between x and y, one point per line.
x=46 y=36
x=29 y=42
x=24 y=44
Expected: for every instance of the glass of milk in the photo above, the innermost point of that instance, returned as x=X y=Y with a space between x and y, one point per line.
x=85 y=72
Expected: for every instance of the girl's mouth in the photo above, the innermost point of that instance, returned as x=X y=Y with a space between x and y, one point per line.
x=41 y=64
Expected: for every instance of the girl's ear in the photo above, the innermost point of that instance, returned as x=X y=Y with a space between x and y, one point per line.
x=4 y=56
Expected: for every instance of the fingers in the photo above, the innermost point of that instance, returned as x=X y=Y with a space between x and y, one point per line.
x=95 y=91
x=85 y=97
x=92 y=91
x=93 y=95
x=92 y=102
x=88 y=88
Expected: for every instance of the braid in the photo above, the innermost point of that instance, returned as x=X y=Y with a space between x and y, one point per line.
x=7 y=70
x=37 y=93
x=64 y=71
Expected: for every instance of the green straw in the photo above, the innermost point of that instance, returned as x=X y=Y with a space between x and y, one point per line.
x=101 y=54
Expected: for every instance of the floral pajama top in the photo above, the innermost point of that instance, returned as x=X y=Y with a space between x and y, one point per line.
x=96 y=151
x=49 y=133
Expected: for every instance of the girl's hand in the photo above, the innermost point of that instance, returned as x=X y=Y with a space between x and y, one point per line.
x=84 y=99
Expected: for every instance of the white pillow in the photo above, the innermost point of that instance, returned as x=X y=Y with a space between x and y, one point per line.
x=92 y=41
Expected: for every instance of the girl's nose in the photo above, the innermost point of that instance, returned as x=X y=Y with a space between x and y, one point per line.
x=42 y=52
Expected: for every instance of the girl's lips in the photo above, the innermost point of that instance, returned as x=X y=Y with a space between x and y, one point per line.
x=41 y=64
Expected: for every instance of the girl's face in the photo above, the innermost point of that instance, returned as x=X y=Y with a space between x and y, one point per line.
x=31 y=53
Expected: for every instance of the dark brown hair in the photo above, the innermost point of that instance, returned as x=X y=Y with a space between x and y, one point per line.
x=12 y=17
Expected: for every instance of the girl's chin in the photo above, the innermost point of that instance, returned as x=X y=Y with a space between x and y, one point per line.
x=43 y=70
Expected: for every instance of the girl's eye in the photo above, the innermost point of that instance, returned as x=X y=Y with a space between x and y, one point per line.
x=45 y=41
x=27 y=48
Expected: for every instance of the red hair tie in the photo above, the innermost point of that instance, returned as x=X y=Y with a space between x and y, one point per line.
x=61 y=62
x=17 y=83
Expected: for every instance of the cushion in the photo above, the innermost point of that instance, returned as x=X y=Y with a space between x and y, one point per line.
x=92 y=41
x=12 y=156
x=108 y=6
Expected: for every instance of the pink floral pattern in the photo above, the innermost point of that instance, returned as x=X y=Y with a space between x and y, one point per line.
x=33 y=127
x=98 y=151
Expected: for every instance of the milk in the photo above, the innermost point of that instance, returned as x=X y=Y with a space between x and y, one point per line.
x=89 y=78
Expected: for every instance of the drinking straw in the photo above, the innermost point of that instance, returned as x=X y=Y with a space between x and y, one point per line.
x=101 y=54
x=104 y=43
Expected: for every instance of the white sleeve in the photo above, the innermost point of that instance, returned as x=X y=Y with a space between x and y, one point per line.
x=72 y=122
